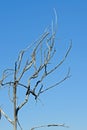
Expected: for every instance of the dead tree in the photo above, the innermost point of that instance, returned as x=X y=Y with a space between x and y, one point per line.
x=37 y=66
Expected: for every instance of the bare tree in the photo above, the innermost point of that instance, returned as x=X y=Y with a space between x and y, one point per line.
x=36 y=65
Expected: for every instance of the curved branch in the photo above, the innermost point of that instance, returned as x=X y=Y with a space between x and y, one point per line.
x=56 y=84
x=50 y=125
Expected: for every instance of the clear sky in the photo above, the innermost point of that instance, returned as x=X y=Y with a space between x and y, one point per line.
x=21 y=22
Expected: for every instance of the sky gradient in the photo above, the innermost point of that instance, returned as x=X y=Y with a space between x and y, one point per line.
x=21 y=23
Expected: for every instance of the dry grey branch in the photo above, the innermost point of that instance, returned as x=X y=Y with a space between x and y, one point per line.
x=6 y=73
x=49 y=125
x=6 y=116
x=56 y=84
x=62 y=61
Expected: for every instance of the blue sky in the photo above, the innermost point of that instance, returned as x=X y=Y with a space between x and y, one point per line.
x=21 y=22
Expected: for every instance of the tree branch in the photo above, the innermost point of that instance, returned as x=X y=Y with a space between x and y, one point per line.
x=50 y=125
x=23 y=103
x=6 y=116
x=56 y=84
